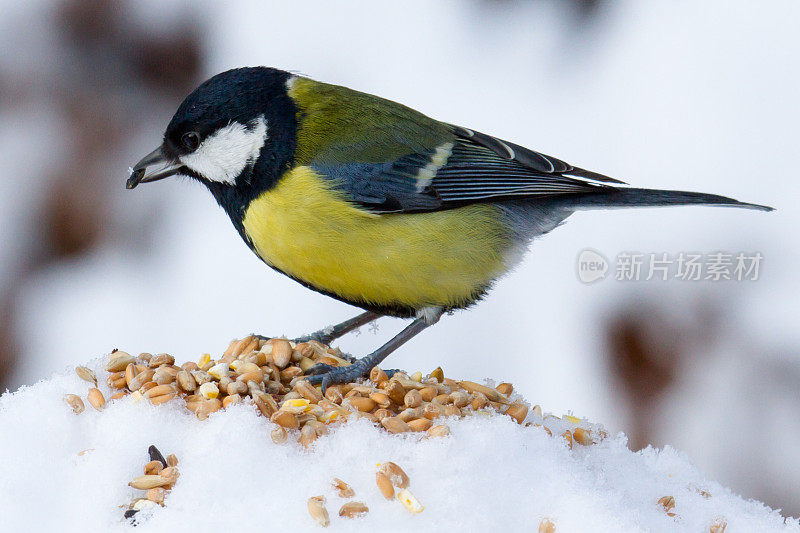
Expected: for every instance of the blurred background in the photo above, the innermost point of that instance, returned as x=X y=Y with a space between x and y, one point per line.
x=681 y=94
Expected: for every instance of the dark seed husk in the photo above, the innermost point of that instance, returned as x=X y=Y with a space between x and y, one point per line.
x=155 y=455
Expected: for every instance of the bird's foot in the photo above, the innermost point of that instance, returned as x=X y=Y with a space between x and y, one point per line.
x=317 y=336
x=327 y=375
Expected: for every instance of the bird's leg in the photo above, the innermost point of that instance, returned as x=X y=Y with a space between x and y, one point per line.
x=329 y=375
x=331 y=333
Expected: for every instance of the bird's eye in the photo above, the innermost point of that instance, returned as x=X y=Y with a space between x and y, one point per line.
x=190 y=140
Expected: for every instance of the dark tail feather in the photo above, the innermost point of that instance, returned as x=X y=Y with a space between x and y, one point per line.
x=616 y=198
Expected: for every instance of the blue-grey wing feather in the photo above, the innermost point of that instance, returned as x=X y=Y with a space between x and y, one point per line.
x=526 y=157
x=478 y=168
x=384 y=187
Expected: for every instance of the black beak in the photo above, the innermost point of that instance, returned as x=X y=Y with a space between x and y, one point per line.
x=139 y=172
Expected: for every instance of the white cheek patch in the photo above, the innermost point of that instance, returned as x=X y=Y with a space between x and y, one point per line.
x=223 y=155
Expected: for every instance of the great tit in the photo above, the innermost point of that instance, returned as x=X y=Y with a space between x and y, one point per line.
x=371 y=202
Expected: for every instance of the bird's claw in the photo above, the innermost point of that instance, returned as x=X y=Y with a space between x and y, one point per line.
x=327 y=375
x=320 y=368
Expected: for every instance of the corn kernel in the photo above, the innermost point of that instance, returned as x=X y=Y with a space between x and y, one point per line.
x=209 y=390
x=204 y=360
x=329 y=416
x=573 y=419
x=410 y=501
x=220 y=370
x=297 y=402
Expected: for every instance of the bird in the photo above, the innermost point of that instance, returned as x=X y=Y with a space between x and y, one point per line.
x=371 y=202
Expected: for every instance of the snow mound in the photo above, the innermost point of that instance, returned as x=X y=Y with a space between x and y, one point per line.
x=489 y=474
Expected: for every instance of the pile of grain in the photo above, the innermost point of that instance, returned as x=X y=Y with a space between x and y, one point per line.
x=270 y=376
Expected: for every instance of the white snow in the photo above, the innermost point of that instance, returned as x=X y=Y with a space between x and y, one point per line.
x=489 y=474
x=682 y=94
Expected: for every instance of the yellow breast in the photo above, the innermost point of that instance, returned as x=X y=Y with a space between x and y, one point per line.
x=308 y=230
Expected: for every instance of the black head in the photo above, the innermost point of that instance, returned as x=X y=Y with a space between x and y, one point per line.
x=235 y=133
